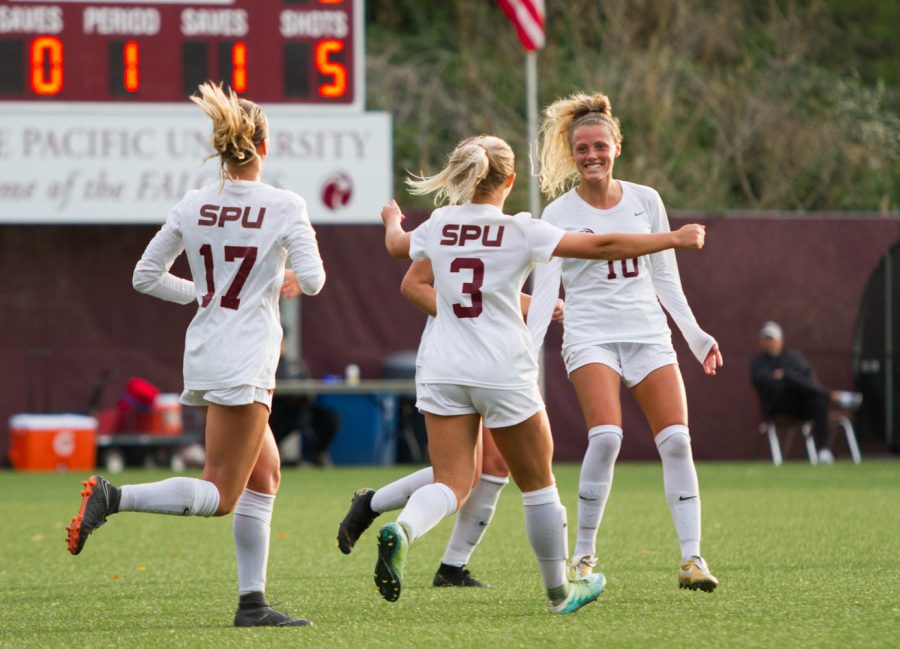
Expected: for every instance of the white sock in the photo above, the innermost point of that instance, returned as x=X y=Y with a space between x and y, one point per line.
x=545 y=522
x=252 y=527
x=427 y=507
x=682 y=488
x=395 y=494
x=177 y=496
x=594 y=484
x=473 y=519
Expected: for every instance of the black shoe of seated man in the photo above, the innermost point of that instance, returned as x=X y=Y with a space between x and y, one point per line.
x=456 y=576
x=253 y=610
x=357 y=520
x=99 y=499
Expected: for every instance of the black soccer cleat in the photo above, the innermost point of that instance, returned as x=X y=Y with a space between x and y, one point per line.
x=456 y=576
x=253 y=610
x=99 y=499
x=357 y=520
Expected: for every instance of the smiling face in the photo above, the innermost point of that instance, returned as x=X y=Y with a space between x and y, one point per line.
x=594 y=150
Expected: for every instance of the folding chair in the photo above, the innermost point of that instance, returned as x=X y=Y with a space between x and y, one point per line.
x=839 y=420
x=789 y=427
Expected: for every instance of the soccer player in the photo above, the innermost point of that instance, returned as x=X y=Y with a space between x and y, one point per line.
x=493 y=474
x=237 y=236
x=615 y=330
x=477 y=362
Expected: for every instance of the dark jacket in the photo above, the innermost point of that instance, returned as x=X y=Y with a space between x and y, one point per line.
x=797 y=371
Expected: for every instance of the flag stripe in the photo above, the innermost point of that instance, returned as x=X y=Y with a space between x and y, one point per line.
x=528 y=18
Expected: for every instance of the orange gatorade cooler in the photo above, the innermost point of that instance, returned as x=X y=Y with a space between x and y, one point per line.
x=52 y=442
x=165 y=417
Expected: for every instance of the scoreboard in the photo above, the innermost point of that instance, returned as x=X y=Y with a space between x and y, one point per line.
x=96 y=126
x=305 y=52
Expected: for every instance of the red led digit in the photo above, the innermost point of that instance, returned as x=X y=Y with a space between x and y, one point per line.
x=131 y=55
x=46 y=65
x=239 y=67
x=338 y=86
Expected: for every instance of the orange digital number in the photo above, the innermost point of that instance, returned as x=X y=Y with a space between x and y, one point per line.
x=131 y=54
x=46 y=65
x=338 y=85
x=239 y=67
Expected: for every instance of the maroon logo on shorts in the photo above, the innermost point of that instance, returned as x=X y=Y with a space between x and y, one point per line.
x=337 y=190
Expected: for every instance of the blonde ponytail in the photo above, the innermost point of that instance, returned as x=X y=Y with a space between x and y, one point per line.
x=561 y=118
x=478 y=165
x=239 y=125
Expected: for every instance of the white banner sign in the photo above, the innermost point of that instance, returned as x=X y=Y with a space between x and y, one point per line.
x=102 y=163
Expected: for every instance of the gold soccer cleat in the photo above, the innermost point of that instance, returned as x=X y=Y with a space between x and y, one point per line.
x=695 y=574
x=582 y=568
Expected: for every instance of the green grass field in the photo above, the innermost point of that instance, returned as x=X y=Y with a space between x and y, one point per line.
x=806 y=556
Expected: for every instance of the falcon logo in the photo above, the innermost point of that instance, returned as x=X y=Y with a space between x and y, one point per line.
x=337 y=191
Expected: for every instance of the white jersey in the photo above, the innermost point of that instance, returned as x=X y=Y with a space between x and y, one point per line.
x=480 y=258
x=236 y=242
x=429 y=323
x=614 y=301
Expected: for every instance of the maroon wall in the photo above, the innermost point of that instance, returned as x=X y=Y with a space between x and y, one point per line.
x=68 y=290
x=807 y=273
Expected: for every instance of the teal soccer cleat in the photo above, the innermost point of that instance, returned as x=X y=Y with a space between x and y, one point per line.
x=392 y=547
x=581 y=591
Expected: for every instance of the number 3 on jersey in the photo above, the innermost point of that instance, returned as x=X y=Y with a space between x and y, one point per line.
x=230 y=300
x=472 y=289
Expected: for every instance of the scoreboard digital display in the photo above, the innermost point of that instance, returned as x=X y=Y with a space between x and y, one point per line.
x=307 y=52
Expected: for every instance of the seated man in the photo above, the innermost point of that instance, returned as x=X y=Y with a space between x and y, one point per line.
x=787 y=385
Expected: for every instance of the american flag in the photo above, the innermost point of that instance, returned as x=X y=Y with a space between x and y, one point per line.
x=528 y=17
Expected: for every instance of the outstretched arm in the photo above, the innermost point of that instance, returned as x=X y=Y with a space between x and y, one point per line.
x=582 y=245
x=395 y=239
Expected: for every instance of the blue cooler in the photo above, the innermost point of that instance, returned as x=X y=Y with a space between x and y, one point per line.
x=368 y=430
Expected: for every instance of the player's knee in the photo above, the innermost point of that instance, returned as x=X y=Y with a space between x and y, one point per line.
x=265 y=481
x=534 y=481
x=495 y=466
x=674 y=442
x=605 y=444
x=274 y=480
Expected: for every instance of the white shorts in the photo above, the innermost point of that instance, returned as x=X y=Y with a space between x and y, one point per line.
x=242 y=395
x=632 y=361
x=498 y=408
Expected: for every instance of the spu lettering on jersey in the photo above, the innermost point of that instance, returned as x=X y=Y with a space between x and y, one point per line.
x=458 y=235
x=221 y=214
